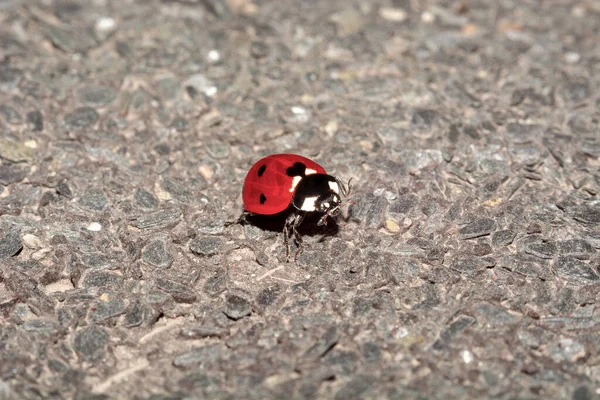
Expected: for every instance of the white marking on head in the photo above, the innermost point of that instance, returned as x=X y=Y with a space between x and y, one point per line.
x=326 y=205
x=334 y=187
x=309 y=171
x=309 y=204
x=295 y=182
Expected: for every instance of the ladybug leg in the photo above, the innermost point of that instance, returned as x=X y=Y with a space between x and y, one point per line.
x=345 y=188
x=291 y=229
x=287 y=228
x=242 y=220
x=297 y=237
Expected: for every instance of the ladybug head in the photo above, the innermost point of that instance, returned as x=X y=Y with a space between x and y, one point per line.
x=329 y=203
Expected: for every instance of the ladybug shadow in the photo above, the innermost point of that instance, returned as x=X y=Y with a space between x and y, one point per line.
x=308 y=227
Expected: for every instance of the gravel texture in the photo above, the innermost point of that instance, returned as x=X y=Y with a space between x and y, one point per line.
x=467 y=267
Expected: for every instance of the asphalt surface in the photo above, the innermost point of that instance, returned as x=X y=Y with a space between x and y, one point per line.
x=467 y=266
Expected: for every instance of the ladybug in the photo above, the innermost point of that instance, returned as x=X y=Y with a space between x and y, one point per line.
x=278 y=181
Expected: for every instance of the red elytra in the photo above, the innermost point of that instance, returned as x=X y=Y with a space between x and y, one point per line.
x=269 y=185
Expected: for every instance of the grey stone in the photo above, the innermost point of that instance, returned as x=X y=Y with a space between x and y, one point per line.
x=371 y=352
x=217 y=149
x=481 y=227
x=356 y=388
x=207 y=246
x=587 y=214
x=70 y=39
x=201 y=356
x=168 y=88
x=575 y=270
x=577 y=248
x=180 y=124
x=21 y=312
x=94 y=200
x=424 y=117
x=15 y=151
x=403 y=204
x=473 y=265
x=269 y=295
x=588 y=294
x=6 y=393
x=81 y=118
x=503 y=238
x=203 y=331
x=63 y=189
x=103 y=310
x=96 y=260
x=10 y=115
x=106 y=279
x=135 y=314
x=321 y=346
x=259 y=49
x=578 y=89
x=237 y=307
x=158 y=220
x=9 y=75
x=523 y=133
x=90 y=343
x=179 y=190
x=494 y=315
x=216 y=284
x=541 y=249
x=583 y=393
x=566 y=349
x=11 y=173
x=35 y=119
x=180 y=293
x=10 y=243
x=455 y=329
x=156 y=253
x=97 y=95
x=41 y=326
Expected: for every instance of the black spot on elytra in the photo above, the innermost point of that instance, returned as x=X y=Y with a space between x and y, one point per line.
x=262 y=198
x=262 y=170
x=298 y=169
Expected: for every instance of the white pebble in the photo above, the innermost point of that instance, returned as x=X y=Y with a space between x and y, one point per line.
x=32 y=241
x=298 y=110
x=105 y=24
x=214 y=56
x=392 y=14
x=300 y=113
x=572 y=58
x=38 y=255
x=467 y=356
x=427 y=17
x=210 y=91
x=94 y=227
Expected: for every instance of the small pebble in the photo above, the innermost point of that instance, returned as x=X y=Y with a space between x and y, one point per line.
x=214 y=56
x=105 y=24
x=427 y=17
x=32 y=144
x=392 y=14
x=300 y=113
x=467 y=356
x=392 y=226
x=572 y=58
x=94 y=227
x=32 y=241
